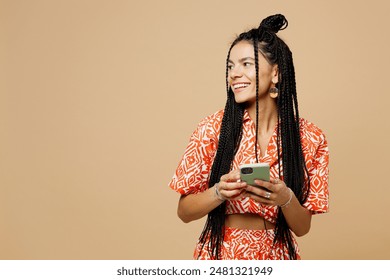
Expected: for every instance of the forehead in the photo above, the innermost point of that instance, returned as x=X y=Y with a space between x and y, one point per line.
x=242 y=49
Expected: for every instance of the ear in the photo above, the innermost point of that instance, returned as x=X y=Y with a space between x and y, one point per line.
x=275 y=74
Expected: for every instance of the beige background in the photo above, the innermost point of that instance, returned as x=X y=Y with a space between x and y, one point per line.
x=99 y=98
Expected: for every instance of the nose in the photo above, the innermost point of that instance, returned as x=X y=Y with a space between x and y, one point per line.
x=235 y=73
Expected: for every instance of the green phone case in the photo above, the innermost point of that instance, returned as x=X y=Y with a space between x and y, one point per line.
x=250 y=172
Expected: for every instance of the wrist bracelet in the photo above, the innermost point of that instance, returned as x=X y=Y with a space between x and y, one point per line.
x=289 y=200
x=218 y=194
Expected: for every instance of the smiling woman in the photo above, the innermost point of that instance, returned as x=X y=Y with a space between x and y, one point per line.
x=260 y=124
x=242 y=74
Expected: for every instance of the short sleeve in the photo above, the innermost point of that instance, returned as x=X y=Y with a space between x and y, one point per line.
x=192 y=173
x=318 y=197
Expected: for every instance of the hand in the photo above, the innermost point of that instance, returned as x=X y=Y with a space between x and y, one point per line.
x=274 y=192
x=230 y=185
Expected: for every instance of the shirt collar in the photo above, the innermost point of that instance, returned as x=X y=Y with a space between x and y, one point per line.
x=246 y=116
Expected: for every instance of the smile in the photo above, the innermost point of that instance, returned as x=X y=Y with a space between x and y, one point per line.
x=240 y=85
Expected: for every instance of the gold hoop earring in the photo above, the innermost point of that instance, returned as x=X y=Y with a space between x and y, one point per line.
x=274 y=92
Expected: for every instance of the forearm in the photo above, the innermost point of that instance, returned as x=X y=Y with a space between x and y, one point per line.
x=277 y=193
x=298 y=217
x=196 y=206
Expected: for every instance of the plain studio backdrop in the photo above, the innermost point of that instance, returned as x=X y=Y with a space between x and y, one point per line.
x=98 y=100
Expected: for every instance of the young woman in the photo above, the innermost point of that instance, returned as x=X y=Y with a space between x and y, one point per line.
x=260 y=123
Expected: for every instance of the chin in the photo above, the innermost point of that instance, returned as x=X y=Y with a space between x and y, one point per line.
x=240 y=99
x=243 y=100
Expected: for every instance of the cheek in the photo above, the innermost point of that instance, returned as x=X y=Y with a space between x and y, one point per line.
x=229 y=80
x=265 y=78
x=251 y=74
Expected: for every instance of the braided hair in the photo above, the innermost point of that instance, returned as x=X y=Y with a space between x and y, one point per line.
x=294 y=171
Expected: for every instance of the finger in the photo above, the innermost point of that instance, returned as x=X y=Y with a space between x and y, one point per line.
x=235 y=173
x=253 y=190
x=232 y=185
x=223 y=178
x=269 y=186
x=260 y=199
x=277 y=185
x=232 y=194
x=275 y=181
x=233 y=176
x=262 y=192
x=240 y=196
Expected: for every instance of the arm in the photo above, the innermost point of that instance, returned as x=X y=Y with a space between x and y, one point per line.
x=195 y=206
x=298 y=217
x=317 y=200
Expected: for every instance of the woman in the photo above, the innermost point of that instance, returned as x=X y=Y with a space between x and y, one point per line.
x=260 y=123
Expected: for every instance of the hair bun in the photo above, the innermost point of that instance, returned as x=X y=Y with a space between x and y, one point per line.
x=274 y=23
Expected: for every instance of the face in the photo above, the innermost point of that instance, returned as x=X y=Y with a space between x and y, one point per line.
x=242 y=73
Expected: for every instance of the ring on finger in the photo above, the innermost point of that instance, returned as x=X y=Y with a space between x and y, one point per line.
x=267 y=195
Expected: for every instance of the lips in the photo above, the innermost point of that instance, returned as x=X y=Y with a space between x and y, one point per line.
x=240 y=86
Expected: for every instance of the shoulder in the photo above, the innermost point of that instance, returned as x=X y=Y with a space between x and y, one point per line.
x=311 y=131
x=312 y=138
x=213 y=118
x=211 y=123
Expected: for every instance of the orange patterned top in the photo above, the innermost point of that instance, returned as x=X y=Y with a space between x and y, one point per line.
x=192 y=174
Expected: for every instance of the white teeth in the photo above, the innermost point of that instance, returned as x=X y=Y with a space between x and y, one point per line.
x=242 y=85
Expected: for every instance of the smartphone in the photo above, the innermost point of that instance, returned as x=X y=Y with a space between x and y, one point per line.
x=250 y=172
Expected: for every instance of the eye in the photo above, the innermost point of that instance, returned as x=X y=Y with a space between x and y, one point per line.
x=247 y=64
x=230 y=67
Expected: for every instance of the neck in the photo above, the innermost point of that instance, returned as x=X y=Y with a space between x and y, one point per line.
x=268 y=115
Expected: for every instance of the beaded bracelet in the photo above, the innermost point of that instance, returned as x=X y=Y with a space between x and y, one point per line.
x=289 y=200
x=219 y=196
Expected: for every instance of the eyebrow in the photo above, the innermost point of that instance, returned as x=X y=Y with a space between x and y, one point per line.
x=242 y=59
